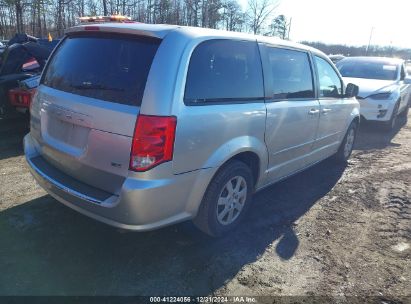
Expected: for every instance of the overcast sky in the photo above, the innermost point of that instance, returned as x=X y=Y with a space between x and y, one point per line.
x=349 y=21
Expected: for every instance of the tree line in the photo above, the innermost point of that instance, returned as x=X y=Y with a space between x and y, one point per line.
x=40 y=17
x=373 y=50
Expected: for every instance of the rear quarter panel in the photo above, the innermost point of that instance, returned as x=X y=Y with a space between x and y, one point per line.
x=207 y=136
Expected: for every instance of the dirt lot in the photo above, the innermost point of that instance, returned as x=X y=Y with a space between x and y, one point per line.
x=328 y=231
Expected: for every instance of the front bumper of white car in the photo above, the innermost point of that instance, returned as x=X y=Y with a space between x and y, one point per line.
x=376 y=110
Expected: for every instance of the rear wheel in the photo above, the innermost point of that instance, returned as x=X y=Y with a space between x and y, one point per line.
x=345 y=150
x=226 y=199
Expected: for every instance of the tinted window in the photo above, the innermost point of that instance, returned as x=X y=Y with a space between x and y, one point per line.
x=224 y=70
x=368 y=69
x=109 y=68
x=330 y=83
x=291 y=74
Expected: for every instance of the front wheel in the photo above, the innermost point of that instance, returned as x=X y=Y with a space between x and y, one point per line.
x=226 y=199
x=404 y=113
x=347 y=145
x=390 y=125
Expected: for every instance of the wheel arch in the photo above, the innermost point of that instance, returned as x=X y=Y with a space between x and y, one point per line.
x=248 y=150
x=252 y=160
x=356 y=119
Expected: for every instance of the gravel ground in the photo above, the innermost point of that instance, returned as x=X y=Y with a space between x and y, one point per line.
x=329 y=231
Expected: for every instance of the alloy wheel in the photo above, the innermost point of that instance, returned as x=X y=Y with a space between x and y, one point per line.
x=349 y=142
x=231 y=200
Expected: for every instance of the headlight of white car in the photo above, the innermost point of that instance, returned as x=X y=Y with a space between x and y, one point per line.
x=380 y=96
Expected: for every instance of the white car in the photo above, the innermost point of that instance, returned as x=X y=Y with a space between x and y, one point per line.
x=384 y=87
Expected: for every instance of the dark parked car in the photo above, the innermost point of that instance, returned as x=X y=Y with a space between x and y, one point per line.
x=21 y=60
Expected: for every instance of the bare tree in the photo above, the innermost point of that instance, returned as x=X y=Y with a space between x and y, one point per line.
x=211 y=14
x=18 y=6
x=279 y=27
x=39 y=17
x=105 y=7
x=233 y=17
x=193 y=12
x=257 y=13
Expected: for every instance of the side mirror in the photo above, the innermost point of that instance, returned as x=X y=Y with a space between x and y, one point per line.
x=351 y=90
x=407 y=79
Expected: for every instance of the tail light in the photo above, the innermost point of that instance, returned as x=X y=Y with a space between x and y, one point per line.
x=21 y=98
x=153 y=141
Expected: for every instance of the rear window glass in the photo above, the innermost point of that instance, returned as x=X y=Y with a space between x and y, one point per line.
x=110 y=68
x=224 y=71
x=291 y=74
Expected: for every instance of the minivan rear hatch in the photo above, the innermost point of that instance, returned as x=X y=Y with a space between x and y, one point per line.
x=84 y=114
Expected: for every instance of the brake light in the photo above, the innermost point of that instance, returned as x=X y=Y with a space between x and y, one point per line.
x=153 y=141
x=21 y=98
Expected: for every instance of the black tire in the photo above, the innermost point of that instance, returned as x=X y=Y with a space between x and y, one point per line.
x=390 y=125
x=342 y=155
x=404 y=113
x=206 y=219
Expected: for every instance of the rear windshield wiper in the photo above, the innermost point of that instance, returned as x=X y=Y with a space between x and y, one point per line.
x=90 y=86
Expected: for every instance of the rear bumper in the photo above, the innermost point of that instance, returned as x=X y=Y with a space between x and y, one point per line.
x=142 y=204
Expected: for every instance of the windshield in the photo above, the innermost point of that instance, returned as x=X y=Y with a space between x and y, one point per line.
x=369 y=70
x=108 y=67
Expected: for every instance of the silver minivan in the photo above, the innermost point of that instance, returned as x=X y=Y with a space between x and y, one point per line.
x=141 y=126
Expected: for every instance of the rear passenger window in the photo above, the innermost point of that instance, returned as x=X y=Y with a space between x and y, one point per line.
x=291 y=74
x=330 y=83
x=224 y=71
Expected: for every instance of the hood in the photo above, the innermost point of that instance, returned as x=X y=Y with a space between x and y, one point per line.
x=371 y=86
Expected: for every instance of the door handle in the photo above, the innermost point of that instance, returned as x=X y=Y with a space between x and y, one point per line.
x=325 y=111
x=313 y=112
